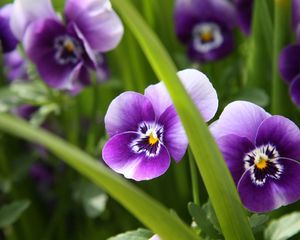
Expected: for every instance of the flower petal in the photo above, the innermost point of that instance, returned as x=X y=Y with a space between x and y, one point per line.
x=196 y=84
x=289 y=62
x=126 y=112
x=119 y=156
x=38 y=43
x=25 y=12
x=234 y=150
x=275 y=192
x=282 y=133
x=241 y=118
x=244 y=14
x=295 y=14
x=174 y=137
x=295 y=90
x=7 y=39
x=108 y=30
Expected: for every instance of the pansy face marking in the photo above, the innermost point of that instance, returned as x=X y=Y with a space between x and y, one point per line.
x=262 y=163
x=150 y=139
x=68 y=50
x=207 y=36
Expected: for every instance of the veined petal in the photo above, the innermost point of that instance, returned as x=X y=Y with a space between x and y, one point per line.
x=7 y=39
x=99 y=24
x=275 y=192
x=241 y=118
x=281 y=133
x=289 y=62
x=234 y=150
x=174 y=137
x=196 y=84
x=119 y=156
x=295 y=90
x=126 y=112
x=25 y=12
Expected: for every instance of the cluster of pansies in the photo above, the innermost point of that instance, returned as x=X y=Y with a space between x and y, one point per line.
x=289 y=59
x=65 y=52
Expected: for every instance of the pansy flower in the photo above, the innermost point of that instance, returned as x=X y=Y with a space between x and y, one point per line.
x=15 y=66
x=7 y=38
x=145 y=130
x=205 y=26
x=66 y=51
x=289 y=62
x=261 y=152
x=244 y=9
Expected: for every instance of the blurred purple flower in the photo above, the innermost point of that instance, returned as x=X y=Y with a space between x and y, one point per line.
x=7 y=39
x=15 y=66
x=244 y=9
x=296 y=15
x=261 y=152
x=25 y=111
x=41 y=173
x=289 y=68
x=65 y=53
x=205 y=26
x=145 y=130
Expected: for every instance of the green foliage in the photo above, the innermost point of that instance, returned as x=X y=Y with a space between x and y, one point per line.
x=139 y=234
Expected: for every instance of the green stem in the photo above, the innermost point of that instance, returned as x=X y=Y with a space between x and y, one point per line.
x=194 y=178
x=280 y=98
x=146 y=209
x=215 y=174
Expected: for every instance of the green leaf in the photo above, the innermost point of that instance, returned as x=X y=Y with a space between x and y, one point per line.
x=141 y=205
x=139 y=234
x=92 y=197
x=200 y=217
x=284 y=227
x=257 y=221
x=211 y=215
x=10 y=213
x=255 y=95
x=214 y=172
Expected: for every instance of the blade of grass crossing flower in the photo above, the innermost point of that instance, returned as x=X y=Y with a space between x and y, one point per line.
x=216 y=176
x=146 y=209
x=280 y=97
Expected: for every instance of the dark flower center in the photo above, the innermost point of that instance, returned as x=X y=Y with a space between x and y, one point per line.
x=207 y=36
x=67 y=50
x=149 y=140
x=262 y=163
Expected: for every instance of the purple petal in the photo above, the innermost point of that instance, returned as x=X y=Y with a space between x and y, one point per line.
x=103 y=36
x=217 y=53
x=197 y=85
x=295 y=14
x=39 y=46
x=7 y=39
x=188 y=13
x=25 y=12
x=275 y=192
x=289 y=62
x=234 y=150
x=244 y=14
x=15 y=66
x=295 y=90
x=282 y=133
x=174 y=136
x=126 y=112
x=119 y=156
x=240 y=118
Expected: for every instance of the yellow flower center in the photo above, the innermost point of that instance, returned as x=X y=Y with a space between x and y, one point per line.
x=152 y=139
x=206 y=36
x=261 y=162
x=69 y=46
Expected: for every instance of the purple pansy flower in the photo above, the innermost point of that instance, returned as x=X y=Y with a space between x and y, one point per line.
x=296 y=17
x=66 y=52
x=145 y=130
x=7 y=39
x=289 y=62
x=15 y=66
x=244 y=9
x=205 y=26
x=261 y=152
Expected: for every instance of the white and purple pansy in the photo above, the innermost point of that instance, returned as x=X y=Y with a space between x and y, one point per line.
x=206 y=27
x=65 y=52
x=262 y=153
x=145 y=130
